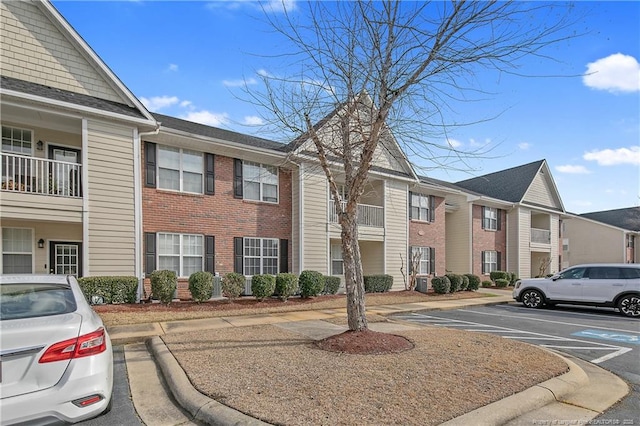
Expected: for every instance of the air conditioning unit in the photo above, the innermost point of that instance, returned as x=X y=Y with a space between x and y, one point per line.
x=422 y=284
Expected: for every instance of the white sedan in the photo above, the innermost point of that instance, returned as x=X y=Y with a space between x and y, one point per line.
x=56 y=360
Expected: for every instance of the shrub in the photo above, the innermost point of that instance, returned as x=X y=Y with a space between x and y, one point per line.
x=107 y=289
x=232 y=285
x=331 y=284
x=286 y=285
x=501 y=282
x=474 y=282
x=163 y=285
x=377 y=283
x=201 y=286
x=311 y=283
x=441 y=285
x=465 y=282
x=499 y=275
x=487 y=283
x=456 y=282
x=263 y=286
x=513 y=278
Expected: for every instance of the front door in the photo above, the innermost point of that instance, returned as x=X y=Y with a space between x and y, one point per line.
x=65 y=176
x=65 y=258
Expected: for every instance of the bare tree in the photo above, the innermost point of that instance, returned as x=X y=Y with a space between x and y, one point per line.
x=372 y=74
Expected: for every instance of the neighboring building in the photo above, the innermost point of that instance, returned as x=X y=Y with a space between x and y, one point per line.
x=70 y=161
x=605 y=236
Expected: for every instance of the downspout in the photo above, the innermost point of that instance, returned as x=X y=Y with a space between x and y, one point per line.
x=137 y=194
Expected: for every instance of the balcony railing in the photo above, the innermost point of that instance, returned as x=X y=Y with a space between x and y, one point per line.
x=367 y=215
x=541 y=236
x=32 y=175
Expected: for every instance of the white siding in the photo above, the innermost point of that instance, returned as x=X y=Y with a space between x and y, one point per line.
x=314 y=218
x=396 y=238
x=17 y=205
x=524 y=243
x=33 y=49
x=591 y=242
x=513 y=242
x=458 y=236
x=555 y=244
x=542 y=193
x=111 y=200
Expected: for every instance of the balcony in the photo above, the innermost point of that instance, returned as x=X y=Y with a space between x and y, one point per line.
x=32 y=175
x=540 y=236
x=367 y=215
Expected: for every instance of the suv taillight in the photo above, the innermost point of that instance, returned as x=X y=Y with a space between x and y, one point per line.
x=87 y=345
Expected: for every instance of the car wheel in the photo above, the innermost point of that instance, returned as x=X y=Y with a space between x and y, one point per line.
x=532 y=299
x=629 y=305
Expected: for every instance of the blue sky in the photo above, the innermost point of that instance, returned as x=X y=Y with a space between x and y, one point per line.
x=581 y=112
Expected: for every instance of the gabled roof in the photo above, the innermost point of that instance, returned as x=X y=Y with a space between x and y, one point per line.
x=508 y=185
x=628 y=218
x=216 y=133
x=34 y=89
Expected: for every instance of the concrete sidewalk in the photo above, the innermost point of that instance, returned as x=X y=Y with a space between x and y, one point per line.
x=579 y=395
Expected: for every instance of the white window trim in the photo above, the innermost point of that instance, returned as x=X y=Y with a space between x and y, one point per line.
x=335 y=250
x=33 y=247
x=425 y=251
x=422 y=199
x=487 y=265
x=490 y=218
x=261 y=257
x=31 y=154
x=180 y=171
x=181 y=255
x=260 y=182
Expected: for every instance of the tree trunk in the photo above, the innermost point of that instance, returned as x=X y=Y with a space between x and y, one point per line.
x=354 y=280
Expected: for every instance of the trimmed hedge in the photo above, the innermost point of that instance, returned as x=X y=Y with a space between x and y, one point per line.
x=331 y=284
x=286 y=285
x=501 y=282
x=311 y=283
x=474 y=282
x=465 y=282
x=108 y=289
x=263 y=286
x=201 y=286
x=232 y=285
x=487 y=283
x=163 y=285
x=513 y=278
x=456 y=282
x=497 y=275
x=441 y=285
x=377 y=283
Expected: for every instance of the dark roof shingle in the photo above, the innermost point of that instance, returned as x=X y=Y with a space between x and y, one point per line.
x=628 y=218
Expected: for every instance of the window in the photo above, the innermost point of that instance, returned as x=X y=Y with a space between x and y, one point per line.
x=180 y=169
x=261 y=256
x=337 y=264
x=424 y=262
x=17 y=251
x=572 y=274
x=421 y=207
x=631 y=241
x=490 y=218
x=182 y=253
x=490 y=260
x=17 y=141
x=260 y=182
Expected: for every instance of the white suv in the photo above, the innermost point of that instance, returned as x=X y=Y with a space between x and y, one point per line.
x=612 y=285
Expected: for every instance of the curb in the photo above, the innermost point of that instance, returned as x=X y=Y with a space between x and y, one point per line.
x=201 y=407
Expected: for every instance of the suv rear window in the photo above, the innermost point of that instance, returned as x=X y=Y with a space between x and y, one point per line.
x=35 y=300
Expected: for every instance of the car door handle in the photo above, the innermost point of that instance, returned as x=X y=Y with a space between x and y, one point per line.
x=618 y=285
x=576 y=284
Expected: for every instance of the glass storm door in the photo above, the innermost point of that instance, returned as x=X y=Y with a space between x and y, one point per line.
x=65 y=258
x=65 y=176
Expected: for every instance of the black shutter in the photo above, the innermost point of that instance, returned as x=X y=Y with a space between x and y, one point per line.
x=209 y=176
x=499 y=263
x=432 y=208
x=482 y=221
x=209 y=254
x=432 y=260
x=238 y=255
x=483 y=268
x=237 y=178
x=149 y=252
x=410 y=205
x=499 y=219
x=284 y=255
x=150 y=164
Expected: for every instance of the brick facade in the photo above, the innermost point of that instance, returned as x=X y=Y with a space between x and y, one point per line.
x=484 y=239
x=431 y=234
x=220 y=215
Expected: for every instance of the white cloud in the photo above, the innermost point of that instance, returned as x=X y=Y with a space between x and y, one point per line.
x=453 y=143
x=524 y=146
x=612 y=157
x=571 y=169
x=274 y=6
x=253 y=120
x=185 y=104
x=264 y=73
x=239 y=83
x=172 y=67
x=158 y=102
x=615 y=73
x=208 y=118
